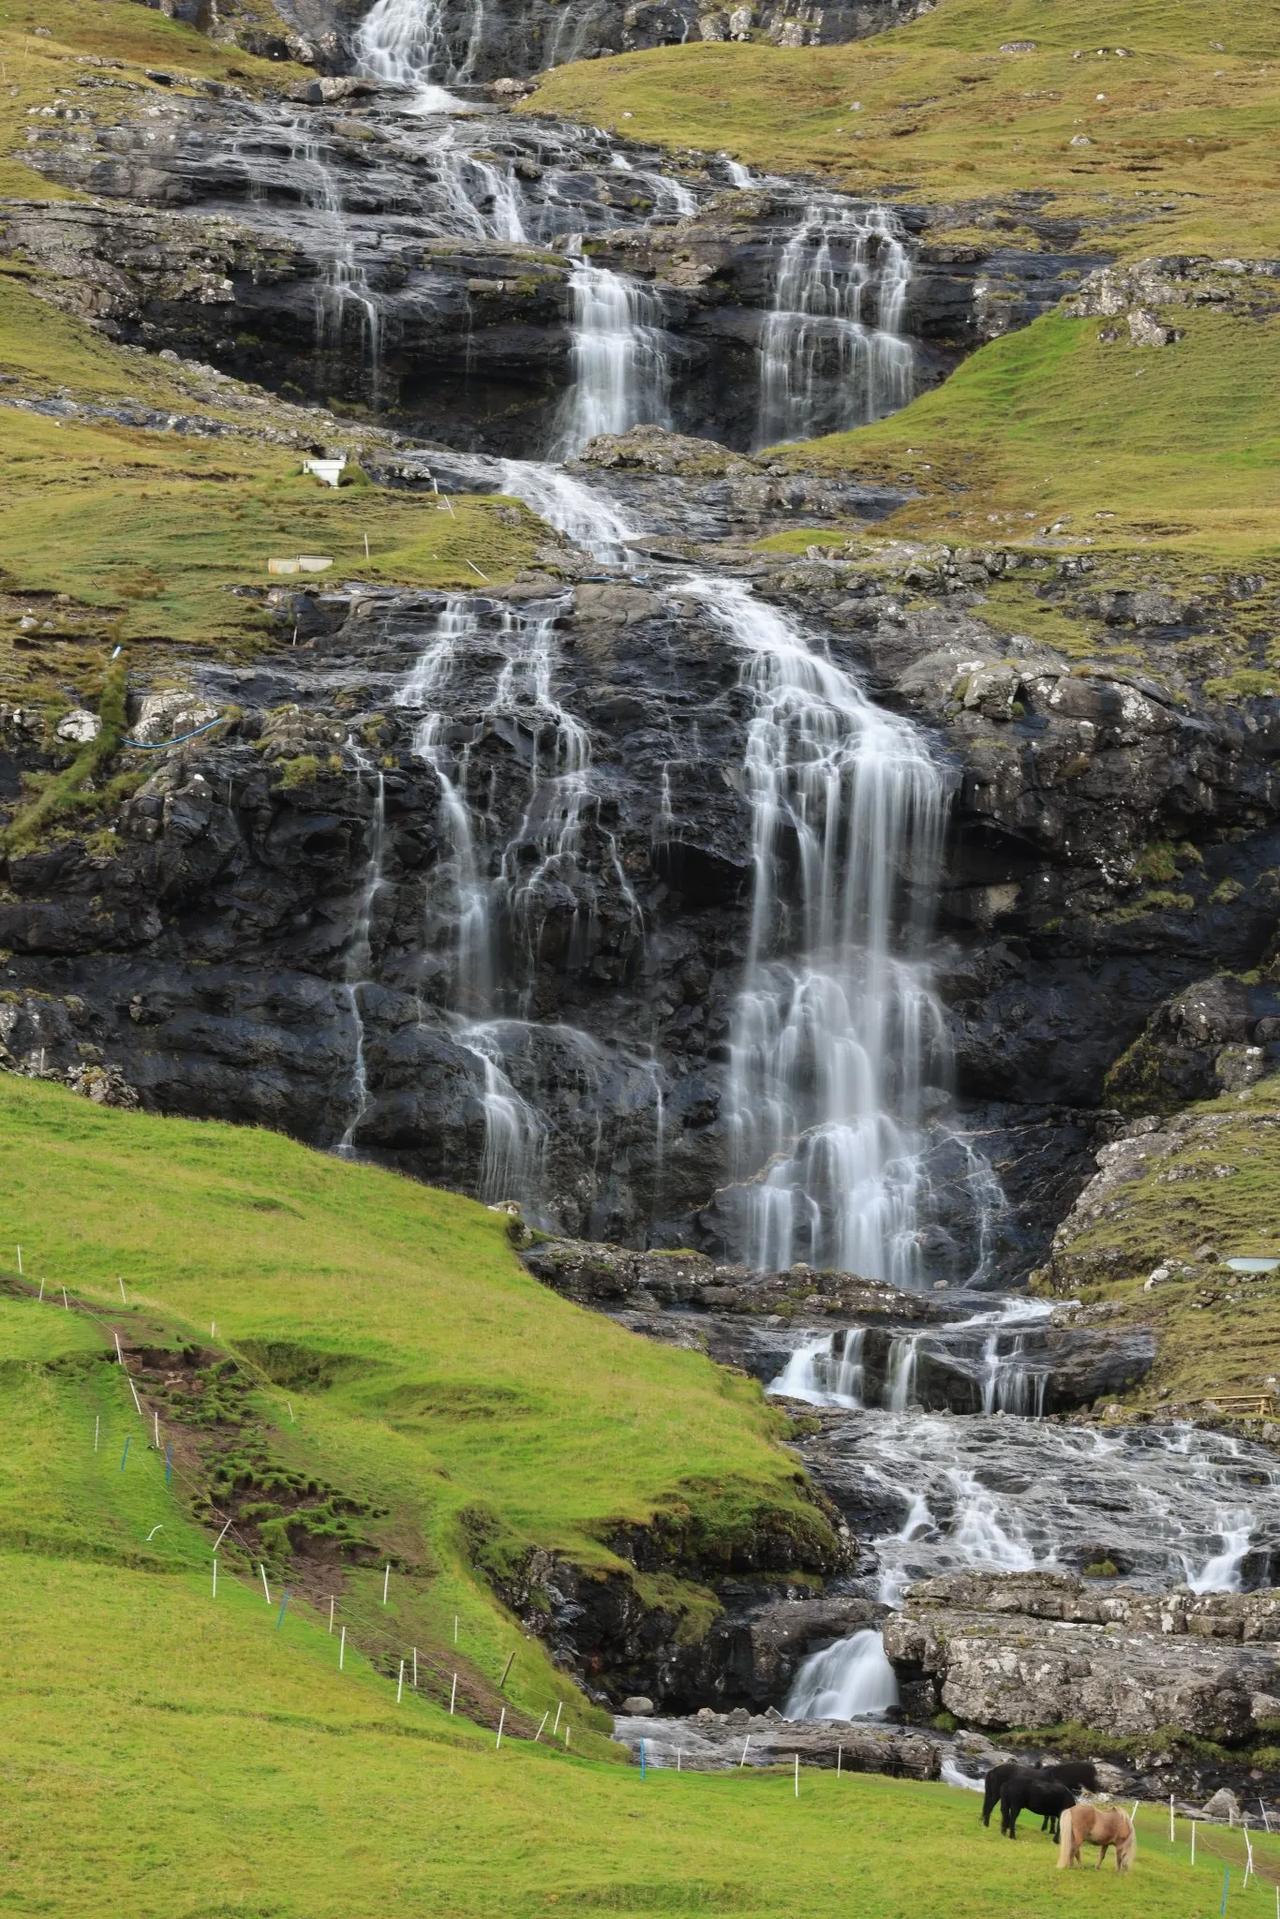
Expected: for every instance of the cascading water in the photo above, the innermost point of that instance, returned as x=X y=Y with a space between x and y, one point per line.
x=405 y=43
x=827 y=1372
x=1221 y=1572
x=850 y=1680
x=492 y=899
x=836 y=1041
x=836 y=1026
x=1166 y=1506
x=359 y=967
x=578 y=511
x=833 y=352
x=342 y=288
x=985 y=1362
x=621 y=375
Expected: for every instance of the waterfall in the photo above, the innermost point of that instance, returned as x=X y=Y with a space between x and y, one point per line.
x=618 y=357
x=360 y=953
x=833 y=353
x=1009 y=1384
x=492 y=898
x=343 y=286
x=1221 y=1571
x=850 y=1680
x=836 y=1025
x=404 y=43
x=671 y=197
x=457 y=626
x=579 y=512
x=827 y=1372
x=480 y=199
x=904 y=1359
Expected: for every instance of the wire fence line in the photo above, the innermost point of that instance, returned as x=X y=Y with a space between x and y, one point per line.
x=345 y=1616
x=402 y=1663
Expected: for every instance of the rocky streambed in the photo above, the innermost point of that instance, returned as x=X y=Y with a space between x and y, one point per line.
x=1011 y=1571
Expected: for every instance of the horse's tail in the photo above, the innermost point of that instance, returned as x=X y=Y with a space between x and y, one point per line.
x=1126 y=1848
x=1066 y=1843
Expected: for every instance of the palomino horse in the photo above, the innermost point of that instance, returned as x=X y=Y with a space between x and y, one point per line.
x=1100 y=1826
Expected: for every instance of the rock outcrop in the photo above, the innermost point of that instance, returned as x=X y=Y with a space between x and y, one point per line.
x=1004 y=1651
x=710 y=1741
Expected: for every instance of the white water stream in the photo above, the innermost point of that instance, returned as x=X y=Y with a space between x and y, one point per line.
x=850 y=1680
x=404 y=43
x=619 y=357
x=988 y=1348
x=359 y=968
x=834 y=356
x=836 y=1029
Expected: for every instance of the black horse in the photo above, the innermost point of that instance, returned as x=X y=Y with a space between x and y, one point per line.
x=1080 y=1773
x=1032 y=1791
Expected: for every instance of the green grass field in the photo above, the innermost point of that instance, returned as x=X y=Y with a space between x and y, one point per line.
x=453 y=1412
x=172 y=1754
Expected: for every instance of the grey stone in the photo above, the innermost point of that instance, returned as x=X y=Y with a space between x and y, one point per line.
x=79 y=725
x=1145 y=329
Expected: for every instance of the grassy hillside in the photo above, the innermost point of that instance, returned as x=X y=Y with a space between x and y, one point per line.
x=450 y=1410
x=204 y=514
x=176 y=1755
x=1175 y=448
x=1053 y=423
x=1178 y=130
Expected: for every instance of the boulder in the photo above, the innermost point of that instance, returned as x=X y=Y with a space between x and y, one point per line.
x=164 y=716
x=79 y=726
x=1146 y=329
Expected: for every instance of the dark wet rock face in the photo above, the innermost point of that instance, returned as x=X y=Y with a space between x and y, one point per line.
x=359 y=253
x=219 y=959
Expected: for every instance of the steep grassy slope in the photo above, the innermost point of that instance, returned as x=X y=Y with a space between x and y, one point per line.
x=1201 y=1189
x=176 y=1755
x=1177 y=108
x=203 y=514
x=454 y=1410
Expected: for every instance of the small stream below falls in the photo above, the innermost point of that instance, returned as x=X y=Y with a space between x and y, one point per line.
x=833 y=1092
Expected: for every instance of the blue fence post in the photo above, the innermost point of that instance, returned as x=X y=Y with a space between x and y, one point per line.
x=125 y=1454
x=168 y=1464
x=1226 y=1883
x=283 y=1603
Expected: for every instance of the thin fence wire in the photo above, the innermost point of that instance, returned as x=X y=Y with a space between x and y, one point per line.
x=367 y=1637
